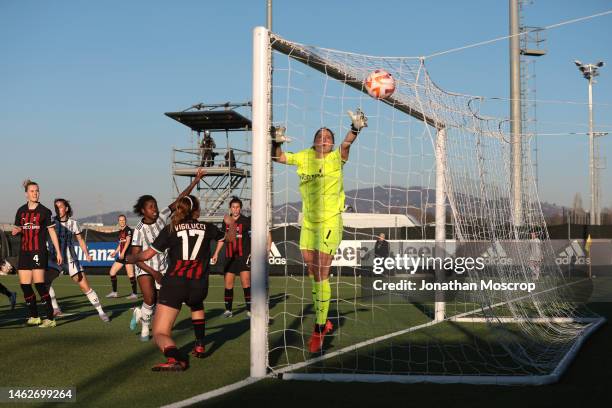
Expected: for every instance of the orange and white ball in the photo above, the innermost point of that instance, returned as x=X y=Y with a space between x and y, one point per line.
x=380 y=84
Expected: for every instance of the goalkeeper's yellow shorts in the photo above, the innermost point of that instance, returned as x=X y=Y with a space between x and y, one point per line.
x=324 y=236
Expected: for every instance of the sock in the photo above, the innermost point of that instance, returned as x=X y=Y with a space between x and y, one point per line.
x=45 y=299
x=146 y=311
x=93 y=299
x=323 y=297
x=114 y=282
x=4 y=290
x=314 y=291
x=172 y=352
x=228 y=298
x=247 y=297
x=30 y=299
x=198 y=330
x=133 y=283
x=52 y=296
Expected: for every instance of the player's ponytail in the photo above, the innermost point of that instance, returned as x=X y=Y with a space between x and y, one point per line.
x=186 y=208
x=27 y=183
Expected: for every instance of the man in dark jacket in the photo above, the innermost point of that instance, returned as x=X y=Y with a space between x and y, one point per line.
x=381 y=248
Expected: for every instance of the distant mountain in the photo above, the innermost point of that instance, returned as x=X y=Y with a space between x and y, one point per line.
x=395 y=200
x=381 y=200
x=110 y=218
x=378 y=200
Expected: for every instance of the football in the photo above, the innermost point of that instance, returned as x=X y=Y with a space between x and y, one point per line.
x=380 y=84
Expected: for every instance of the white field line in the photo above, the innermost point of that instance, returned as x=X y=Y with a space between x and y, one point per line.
x=356 y=346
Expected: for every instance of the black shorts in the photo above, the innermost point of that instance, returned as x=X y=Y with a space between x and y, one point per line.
x=237 y=264
x=176 y=291
x=121 y=261
x=33 y=260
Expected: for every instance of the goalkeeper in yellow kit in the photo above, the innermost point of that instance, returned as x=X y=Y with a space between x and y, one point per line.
x=321 y=187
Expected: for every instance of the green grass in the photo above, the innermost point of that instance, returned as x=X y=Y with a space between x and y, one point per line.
x=107 y=363
x=109 y=366
x=585 y=384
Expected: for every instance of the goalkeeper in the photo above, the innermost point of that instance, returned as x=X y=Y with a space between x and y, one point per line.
x=321 y=187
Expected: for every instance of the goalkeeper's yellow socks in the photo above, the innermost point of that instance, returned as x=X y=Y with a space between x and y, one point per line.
x=314 y=292
x=323 y=290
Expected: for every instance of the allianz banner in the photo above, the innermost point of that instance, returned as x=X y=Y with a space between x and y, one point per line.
x=99 y=251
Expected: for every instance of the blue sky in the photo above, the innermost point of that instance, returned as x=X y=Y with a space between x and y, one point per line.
x=85 y=84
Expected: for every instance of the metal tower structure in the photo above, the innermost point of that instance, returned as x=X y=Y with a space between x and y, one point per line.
x=531 y=46
x=228 y=167
x=596 y=161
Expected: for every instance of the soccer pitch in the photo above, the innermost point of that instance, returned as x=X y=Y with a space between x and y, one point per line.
x=108 y=365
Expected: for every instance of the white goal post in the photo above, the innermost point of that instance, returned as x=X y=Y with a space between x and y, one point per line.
x=542 y=331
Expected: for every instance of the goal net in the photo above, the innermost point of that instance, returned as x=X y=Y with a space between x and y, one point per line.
x=432 y=171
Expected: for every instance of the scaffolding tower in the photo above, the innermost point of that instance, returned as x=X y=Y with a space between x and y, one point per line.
x=532 y=42
x=227 y=167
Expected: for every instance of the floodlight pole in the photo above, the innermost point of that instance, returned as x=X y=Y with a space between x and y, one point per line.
x=515 y=114
x=594 y=203
x=590 y=71
x=269 y=15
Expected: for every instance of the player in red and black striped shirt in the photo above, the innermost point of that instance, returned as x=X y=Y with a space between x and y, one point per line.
x=34 y=221
x=123 y=248
x=188 y=243
x=237 y=258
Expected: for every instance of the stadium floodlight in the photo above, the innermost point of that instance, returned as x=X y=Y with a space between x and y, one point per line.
x=590 y=71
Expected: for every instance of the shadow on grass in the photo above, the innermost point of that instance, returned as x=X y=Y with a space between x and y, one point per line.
x=72 y=307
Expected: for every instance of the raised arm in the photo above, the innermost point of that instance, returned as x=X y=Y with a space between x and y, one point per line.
x=358 y=122
x=278 y=138
x=199 y=174
x=277 y=153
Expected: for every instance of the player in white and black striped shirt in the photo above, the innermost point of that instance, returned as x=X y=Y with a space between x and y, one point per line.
x=67 y=229
x=152 y=270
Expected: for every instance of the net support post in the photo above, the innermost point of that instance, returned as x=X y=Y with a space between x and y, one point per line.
x=259 y=203
x=440 y=250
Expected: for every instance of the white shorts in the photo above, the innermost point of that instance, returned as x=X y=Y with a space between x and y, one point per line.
x=70 y=266
x=140 y=272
